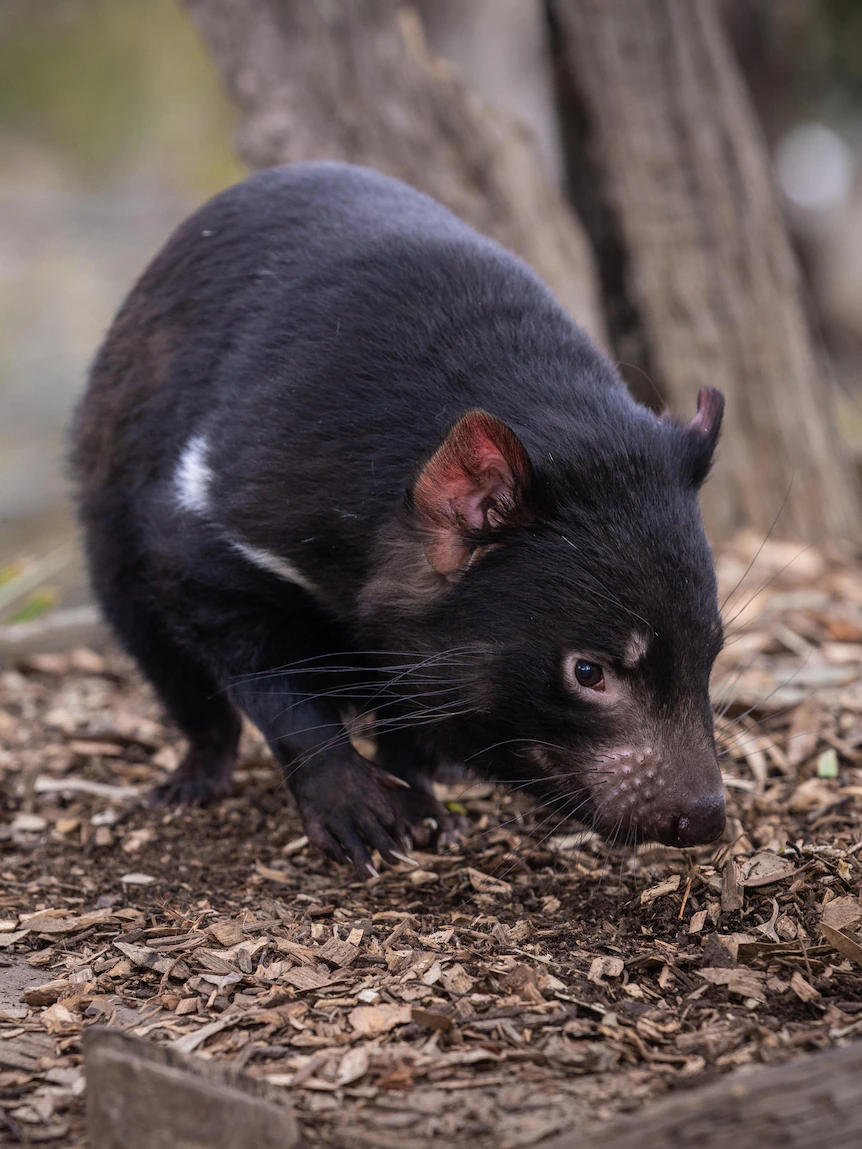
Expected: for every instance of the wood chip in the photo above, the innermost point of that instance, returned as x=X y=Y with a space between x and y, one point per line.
x=764 y=869
x=338 y=953
x=151 y=959
x=73 y=785
x=802 y=989
x=487 y=884
x=668 y=886
x=226 y=933
x=455 y=979
x=732 y=894
x=496 y=970
x=745 y=982
x=305 y=978
x=842 y=913
x=45 y=994
x=374 y=1020
x=353 y=1066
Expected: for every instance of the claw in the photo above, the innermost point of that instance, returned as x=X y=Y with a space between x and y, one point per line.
x=404 y=858
x=393 y=780
x=374 y=873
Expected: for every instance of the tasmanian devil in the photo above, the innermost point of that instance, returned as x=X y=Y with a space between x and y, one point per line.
x=346 y=465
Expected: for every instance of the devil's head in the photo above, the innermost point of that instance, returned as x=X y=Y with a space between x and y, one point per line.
x=572 y=603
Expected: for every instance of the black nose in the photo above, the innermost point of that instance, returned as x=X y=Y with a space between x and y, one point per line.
x=702 y=822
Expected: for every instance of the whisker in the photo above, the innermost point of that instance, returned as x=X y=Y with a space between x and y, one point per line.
x=570 y=812
x=731 y=593
x=769 y=582
x=306 y=664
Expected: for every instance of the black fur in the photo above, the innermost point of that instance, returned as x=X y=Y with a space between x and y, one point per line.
x=323 y=328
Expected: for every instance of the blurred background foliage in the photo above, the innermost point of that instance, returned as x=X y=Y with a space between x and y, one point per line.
x=825 y=38
x=113 y=127
x=109 y=86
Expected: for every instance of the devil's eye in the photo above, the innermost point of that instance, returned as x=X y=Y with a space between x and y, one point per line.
x=589 y=674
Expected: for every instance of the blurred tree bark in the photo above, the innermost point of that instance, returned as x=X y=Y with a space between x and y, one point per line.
x=669 y=170
x=664 y=163
x=328 y=80
x=502 y=49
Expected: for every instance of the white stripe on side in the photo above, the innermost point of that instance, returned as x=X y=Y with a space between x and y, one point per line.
x=193 y=476
x=275 y=565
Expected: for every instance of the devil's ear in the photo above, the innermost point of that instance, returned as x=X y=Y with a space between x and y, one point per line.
x=477 y=480
x=703 y=430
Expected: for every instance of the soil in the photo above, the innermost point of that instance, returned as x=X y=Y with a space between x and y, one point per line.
x=528 y=982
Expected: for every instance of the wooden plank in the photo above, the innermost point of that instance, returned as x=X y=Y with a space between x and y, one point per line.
x=809 y=1103
x=144 y=1096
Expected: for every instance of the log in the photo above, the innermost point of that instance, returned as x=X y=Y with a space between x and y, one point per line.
x=145 y=1096
x=668 y=169
x=356 y=82
x=809 y=1103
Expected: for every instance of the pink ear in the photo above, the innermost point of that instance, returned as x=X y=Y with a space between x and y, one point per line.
x=477 y=479
x=710 y=408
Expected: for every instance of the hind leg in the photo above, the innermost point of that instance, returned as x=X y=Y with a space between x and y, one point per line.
x=188 y=691
x=208 y=720
x=203 y=713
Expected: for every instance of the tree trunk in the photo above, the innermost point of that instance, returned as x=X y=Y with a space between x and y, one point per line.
x=669 y=171
x=354 y=81
x=501 y=49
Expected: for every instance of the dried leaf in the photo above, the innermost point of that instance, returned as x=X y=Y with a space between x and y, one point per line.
x=843 y=942
x=827 y=764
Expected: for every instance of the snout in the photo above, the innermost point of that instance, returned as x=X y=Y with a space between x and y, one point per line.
x=677 y=800
x=700 y=822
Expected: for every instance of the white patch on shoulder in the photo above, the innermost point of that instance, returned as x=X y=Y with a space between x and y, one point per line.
x=193 y=476
x=275 y=565
x=636 y=649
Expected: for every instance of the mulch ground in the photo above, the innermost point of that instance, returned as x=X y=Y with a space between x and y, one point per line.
x=529 y=982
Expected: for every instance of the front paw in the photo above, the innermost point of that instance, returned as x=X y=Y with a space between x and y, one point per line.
x=348 y=811
x=430 y=824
